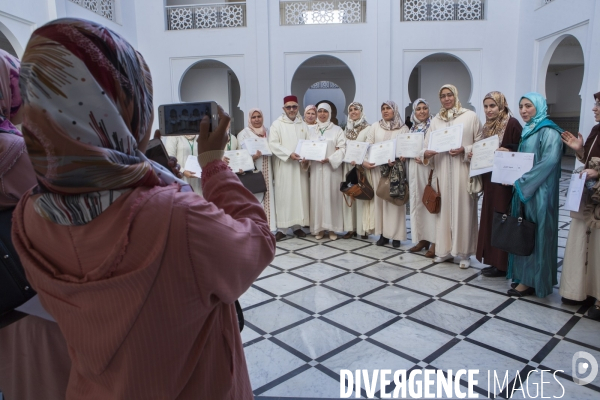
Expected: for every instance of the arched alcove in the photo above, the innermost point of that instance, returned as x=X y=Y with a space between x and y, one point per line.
x=434 y=71
x=325 y=68
x=209 y=80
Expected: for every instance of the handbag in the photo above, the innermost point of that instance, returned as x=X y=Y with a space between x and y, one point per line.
x=514 y=235
x=383 y=188
x=432 y=199
x=14 y=288
x=475 y=185
x=356 y=186
x=254 y=181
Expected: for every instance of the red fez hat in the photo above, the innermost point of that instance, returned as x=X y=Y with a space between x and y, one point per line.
x=287 y=99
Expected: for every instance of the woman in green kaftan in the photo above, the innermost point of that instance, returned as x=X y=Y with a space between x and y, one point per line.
x=538 y=191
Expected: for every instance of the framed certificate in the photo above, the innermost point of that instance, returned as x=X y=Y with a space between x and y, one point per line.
x=382 y=152
x=509 y=167
x=257 y=144
x=315 y=150
x=483 y=155
x=409 y=145
x=446 y=139
x=240 y=159
x=355 y=151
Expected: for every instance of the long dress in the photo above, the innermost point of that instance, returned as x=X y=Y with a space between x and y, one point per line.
x=496 y=197
x=180 y=148
x=390 y=220
x=290 y=181
x=456 y=223
x=576 y=281
x=538 y=189
x=263 y=164
x=422 y=222
x=325 y=195
x=360 y=217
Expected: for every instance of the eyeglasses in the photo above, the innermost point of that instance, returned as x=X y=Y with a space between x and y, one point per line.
x=597 y=104
x=291 y=107
x=447 y=95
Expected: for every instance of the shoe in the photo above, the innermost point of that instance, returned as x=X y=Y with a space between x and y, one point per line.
x=382 y=241
x=299 y=233
x=396 y=243
x=517 y=293
x=423 y=244
x=279 y=235
x=332 y=235
x=594 y=312
x=569 y=302
x=491 y=267
x=320 y=235
x=431 y=252
x=349 y=235
x=493 y=273
x=514 y=285
x=365 y=236
x=442 y=259
x=464 y=264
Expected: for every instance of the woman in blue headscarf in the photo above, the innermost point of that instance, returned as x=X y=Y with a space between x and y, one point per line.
x=537 y=190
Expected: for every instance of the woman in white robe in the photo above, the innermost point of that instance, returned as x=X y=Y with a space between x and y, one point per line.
x=325 y=177
x=361 y=216
x=390 y=220
x=422 y=222
x=456 y=223
x=256 y=129
x=181 y=147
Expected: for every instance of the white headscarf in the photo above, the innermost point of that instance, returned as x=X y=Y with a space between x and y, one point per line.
x=324 y=125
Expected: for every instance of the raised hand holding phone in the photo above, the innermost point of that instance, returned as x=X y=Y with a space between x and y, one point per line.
x=216 y=140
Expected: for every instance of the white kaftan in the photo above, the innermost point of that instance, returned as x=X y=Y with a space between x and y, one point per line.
x=180 y=148
x=422 y=222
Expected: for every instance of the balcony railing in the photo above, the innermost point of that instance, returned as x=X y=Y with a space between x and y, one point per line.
x=322 y=12
x=442 y=10
x=105 y=8
x=205 y=16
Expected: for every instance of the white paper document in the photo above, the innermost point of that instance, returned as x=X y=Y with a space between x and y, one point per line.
x=315 y=150
x=446 y=139
x=257 y=144
x=382 y=152
x=240 y=159
x=509 y=167
x=409 y=145
x=483 y=155
x=355 y=151
x=575 y=192
x=192 y=165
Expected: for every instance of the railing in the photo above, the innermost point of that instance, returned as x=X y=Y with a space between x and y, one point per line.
x=322 y=12
x=105 y=8
x=205 y=16
x=442 y=10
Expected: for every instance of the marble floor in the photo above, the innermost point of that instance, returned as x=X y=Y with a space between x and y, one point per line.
x=323 y=306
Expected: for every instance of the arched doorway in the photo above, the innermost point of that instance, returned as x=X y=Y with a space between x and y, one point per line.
x=434 y=71
x=323 y=78
x=209 y=80
x=6 y=45
x=564 y=78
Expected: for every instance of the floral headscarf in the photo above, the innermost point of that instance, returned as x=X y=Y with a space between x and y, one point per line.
x=353 y=128
x=396 y=122
x=262 y=131
x=88 y=103
x=419 y=126
x=10 y=95
x=497 y=126
x=455 y=111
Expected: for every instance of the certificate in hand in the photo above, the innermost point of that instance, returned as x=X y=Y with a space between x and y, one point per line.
x=382 y=152
x=446 y=139
x=509 y=167
x=257 y=144
x=575 y=192
x=409 y=145
x=483 y=155
x=192 y=165
x=355 y=151
x=315 y=150
x=240 y=159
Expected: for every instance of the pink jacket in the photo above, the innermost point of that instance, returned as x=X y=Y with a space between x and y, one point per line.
x=144 y=293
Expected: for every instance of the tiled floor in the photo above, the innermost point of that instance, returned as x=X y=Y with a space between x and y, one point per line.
x=323 y=306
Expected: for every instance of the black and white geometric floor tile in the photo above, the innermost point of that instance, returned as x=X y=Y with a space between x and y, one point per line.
x=323 y=306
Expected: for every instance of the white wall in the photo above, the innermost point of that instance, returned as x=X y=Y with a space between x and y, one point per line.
x=206 y=85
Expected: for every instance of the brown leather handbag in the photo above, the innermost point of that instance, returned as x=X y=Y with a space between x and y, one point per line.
x=356 y=186
x=431 y=198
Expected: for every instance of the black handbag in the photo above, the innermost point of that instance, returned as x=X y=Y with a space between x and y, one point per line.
x=254 y=181
x=14 y=288
x=514 y=235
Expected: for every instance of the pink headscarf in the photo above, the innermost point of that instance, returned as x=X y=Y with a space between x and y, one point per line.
x=262 y=131
x=10 y=95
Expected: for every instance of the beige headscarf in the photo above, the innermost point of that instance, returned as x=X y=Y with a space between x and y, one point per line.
x=455 y=111
x=497 y=126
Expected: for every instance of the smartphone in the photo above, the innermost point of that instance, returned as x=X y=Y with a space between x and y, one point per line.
x=156 y=152
x=184 y=118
